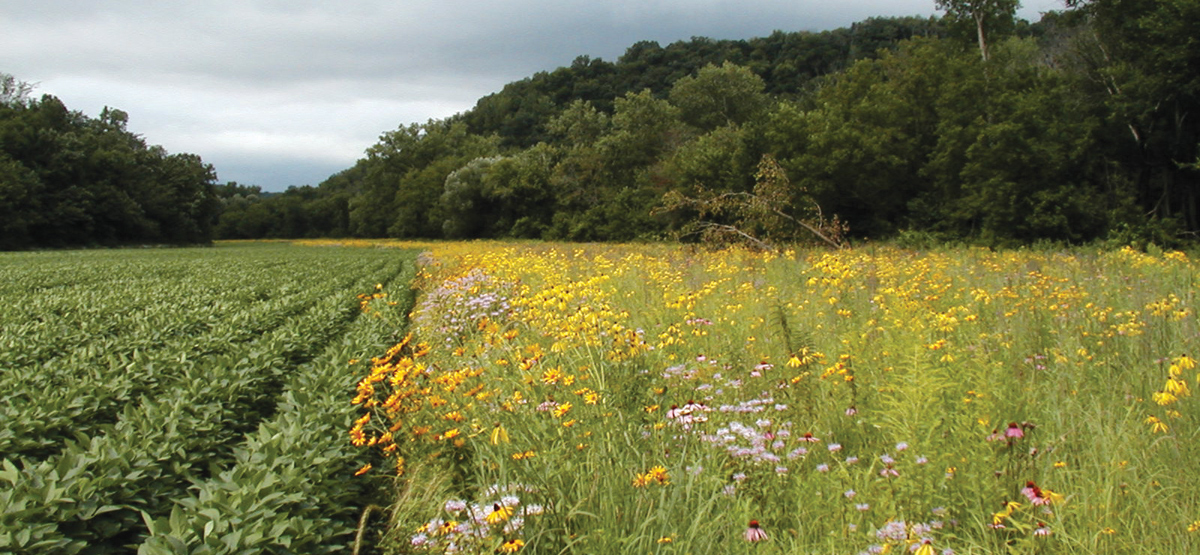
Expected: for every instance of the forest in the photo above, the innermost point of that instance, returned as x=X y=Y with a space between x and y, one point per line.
x=67 y=179
x=972 y=127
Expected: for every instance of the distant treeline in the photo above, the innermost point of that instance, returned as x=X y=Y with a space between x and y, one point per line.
x=973 y=127
x=70 y=180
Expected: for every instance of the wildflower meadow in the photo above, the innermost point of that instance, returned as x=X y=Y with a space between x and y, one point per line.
x=554 y=398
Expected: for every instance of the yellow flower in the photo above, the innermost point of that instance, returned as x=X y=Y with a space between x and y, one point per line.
x=499 y=435
x=512 y=546
x=366 y=468
x=1178 y=388
x=1156 y=425
x=499 y=514
x=552 y=375
x=525 y=455
x=562 y=409
x=1164 y=398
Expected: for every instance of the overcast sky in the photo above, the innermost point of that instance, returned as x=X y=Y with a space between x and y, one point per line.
x=288 y=92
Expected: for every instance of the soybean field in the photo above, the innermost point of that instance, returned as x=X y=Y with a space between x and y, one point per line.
x=188 y=400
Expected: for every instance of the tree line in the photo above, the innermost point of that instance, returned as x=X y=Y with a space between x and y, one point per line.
x=974 y=126
x=70 y=180
x=971 y=127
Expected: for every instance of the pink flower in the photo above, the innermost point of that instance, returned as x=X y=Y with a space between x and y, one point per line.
x=1014 y=431
x=1035 y=494
x=754 y=533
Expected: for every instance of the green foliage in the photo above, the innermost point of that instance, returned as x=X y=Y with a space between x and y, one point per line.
x=1072 y=129
x=717 y=96
x=985 y=17
x=120 y=409
x=68 y=180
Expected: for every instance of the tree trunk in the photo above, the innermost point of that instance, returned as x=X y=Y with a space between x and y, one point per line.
x=982 y=36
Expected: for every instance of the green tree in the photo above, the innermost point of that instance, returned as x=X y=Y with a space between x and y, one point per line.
x=463 y=200
x=716 y=96
x=404 y=176
x=986 y=15
x=20 y=204
x=1140 y=59
x=68 y=179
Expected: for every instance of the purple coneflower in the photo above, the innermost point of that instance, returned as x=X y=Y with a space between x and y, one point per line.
x=754 y=533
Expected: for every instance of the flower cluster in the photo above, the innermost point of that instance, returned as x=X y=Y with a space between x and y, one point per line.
x=917 y=538
x=498 y=522
x=656 y=475
x=456 y=306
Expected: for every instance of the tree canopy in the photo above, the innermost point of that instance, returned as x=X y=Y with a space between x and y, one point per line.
x=67 y=179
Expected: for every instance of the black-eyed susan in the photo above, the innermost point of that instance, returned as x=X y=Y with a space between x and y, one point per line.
x=512 y=546
x=499 y=513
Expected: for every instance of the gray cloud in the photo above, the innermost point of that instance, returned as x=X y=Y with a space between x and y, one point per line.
x=286 y=92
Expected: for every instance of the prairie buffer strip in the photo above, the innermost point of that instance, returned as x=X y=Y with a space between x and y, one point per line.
x=188 y=415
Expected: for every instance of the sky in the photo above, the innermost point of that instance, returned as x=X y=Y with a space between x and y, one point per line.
x=288 y=92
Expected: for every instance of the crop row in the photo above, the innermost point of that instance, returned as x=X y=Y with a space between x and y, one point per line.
x=292 y=486
x=94 y=492
x=77 y=394
x=141 y=306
